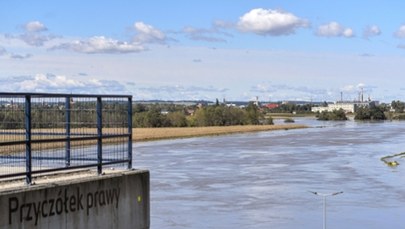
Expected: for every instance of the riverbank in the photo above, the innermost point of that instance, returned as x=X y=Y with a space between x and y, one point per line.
x=149 y=134
x=139 y=134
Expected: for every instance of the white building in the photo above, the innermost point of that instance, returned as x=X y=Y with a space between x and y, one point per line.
x=347 y=106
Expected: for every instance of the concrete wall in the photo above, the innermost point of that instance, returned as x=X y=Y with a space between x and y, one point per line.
x=117 y=200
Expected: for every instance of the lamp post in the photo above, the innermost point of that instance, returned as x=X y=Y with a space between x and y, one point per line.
x=324 y=195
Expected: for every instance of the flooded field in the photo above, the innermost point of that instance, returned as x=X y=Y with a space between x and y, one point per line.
x=262 y=180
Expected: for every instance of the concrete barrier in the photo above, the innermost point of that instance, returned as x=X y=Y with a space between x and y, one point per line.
x=115 y=200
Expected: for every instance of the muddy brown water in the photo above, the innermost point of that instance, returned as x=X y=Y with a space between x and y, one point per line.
x=262 y=180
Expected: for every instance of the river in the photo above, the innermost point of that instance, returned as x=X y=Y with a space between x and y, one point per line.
x=262 y=180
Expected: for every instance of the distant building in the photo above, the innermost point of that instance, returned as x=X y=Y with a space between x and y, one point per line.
x=230 y=105
x=347 y=106
x=271 y=105
x=190 y=112
x=256 y=102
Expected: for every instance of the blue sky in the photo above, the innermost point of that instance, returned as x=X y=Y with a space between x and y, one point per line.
x=180 y=50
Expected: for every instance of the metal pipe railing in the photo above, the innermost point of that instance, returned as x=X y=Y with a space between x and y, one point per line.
x=63 y=131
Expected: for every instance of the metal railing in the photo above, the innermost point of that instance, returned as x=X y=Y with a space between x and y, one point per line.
x=41 y=133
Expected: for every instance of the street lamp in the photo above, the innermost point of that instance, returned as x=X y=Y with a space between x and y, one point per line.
x=324 y=195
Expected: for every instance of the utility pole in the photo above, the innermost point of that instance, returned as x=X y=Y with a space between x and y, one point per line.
x=324 y=195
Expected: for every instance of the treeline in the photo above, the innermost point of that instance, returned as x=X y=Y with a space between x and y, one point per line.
x=372 y=113
x=291 y=107
x=82 y=115
x=216 y=115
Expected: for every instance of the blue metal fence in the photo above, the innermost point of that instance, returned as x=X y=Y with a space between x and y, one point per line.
x=50 y=132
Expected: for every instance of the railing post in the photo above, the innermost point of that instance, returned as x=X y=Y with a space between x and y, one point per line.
x=40 y=117
x=28 y=125
x=130 y=132
x=99 y=135
x=67 y=127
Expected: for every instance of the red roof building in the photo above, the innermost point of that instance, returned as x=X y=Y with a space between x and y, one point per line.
x=271 y=105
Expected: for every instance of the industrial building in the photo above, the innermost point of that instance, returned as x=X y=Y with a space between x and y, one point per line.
x=347 y=106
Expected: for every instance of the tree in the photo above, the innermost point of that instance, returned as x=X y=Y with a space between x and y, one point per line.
x=138 y=108
x=177 y=119
x=268 y=120
x=252 y=114
x=370 y=113
x=154 y=118
x=335 y=115
x=138 y=120
x=398 y=106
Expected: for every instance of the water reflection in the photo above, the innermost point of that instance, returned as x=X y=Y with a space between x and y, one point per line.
x=261 y=180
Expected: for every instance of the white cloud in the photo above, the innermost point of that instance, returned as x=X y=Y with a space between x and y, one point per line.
x=101 y=44
x=334 y=29
x=366 y=55
x=35 y=26
x=43 y=82
x=19 y=56
x=223 y=24
x=209 y=35
x=267 y=90
x=95 y=82
x=353 y=88
x=401 y=46
x=353 y=92
x=401 y=32
x=3 y=51
x=33 y=34
x=348 y=32
x=148 y=34
x=178 y=92
x=349 y=88
x=62 y=84
x=35 y=39
x=270 y=22
x=371 y=31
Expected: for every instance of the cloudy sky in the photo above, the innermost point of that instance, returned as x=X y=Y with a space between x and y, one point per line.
x=181 y=50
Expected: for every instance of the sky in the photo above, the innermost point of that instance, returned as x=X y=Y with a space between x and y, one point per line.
x=205 y=50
